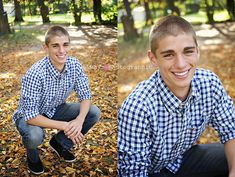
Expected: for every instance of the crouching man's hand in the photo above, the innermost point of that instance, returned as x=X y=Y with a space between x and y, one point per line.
x=73 y=131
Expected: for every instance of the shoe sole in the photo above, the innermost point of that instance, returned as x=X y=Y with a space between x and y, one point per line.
x=59 y=154
x=35 y=173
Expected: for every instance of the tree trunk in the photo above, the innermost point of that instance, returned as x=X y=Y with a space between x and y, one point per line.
x=80 y=10
x=172 y=7
x=75 y=14
x=148 y=15
x=231 y=9
x=44 y=11
x=97 y=10
x=127 y=7
x=4 y=25
x=18 y=13
x=130 y=32
x=210 y=11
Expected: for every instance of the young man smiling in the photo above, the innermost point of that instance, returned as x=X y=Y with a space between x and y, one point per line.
x=161 y=120
x=45 y=87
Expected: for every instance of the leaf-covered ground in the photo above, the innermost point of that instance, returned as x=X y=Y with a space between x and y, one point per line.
x=217 y=54
x=96 y=48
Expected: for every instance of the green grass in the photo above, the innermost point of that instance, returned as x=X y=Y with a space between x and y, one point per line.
x=133 y=47
x=197 y=18
x=54 y=18
x=202 y=18
x=221 y=16
x=25 y=36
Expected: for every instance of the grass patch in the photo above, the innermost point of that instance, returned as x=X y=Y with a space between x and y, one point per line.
x=196 y=18
x=221 y=16
x=26 y=36
x=133 y=47
x=54 y=18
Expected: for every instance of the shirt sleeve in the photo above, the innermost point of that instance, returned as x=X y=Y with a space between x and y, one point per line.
x=133 y=140
x=30 y=96
x=224 y=113
x=82 y=84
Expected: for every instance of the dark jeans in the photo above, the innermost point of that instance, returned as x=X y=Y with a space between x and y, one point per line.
x=33 y=136
x=205 y=160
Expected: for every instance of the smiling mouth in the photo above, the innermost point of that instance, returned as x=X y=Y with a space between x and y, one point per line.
x=61 y=56
x=181 y=74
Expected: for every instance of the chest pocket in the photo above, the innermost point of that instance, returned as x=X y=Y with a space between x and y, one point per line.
x=195 y=129
x=68 y=90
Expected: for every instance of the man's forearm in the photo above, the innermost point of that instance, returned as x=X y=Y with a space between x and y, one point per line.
x=229 y=147
x=45 y=122
x=84 y=109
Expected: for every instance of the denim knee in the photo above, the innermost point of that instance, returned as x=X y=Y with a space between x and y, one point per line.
x=32 y=136
x=35 y=137
x=94 y=113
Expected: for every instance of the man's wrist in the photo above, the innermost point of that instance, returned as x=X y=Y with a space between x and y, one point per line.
x=80 y=118
x=62 y=125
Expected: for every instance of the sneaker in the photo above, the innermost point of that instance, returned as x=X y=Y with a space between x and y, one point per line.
x=35 y=168
x=60 y=151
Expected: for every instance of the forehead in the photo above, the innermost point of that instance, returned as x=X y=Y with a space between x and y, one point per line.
x=59 y=39
x=179 y=41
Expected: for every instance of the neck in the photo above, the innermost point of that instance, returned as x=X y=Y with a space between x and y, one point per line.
x=60 y=68
x=182 y=94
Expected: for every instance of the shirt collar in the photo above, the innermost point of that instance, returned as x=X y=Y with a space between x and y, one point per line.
x=53 y=71
x=195 y=86
x=170 y=101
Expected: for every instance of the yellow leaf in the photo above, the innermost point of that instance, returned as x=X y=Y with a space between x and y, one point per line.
x=62 y=170
x=110 y=170
x=47 y=163
x=69 y=169
x=9 y=160
x=16 y=161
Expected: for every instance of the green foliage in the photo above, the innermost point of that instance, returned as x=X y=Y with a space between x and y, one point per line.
x=110 y=12
x=60 y=8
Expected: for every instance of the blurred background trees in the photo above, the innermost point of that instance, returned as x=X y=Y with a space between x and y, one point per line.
x=79 y=12
x=138 y=14
x=4 y=25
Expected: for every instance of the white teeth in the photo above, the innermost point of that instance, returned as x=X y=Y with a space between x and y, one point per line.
x=181 y=74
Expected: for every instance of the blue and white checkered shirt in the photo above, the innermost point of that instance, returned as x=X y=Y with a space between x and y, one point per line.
x=155 y=128
x=44 y=88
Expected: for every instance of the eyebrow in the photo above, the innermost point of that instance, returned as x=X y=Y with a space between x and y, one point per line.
x=172 y=51
x=188 y=48
x=58 y=43
x=167 y=51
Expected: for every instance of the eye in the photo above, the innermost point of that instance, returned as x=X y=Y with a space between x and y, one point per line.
x=66 y=44
x=189 y=52
x=168 y=55
x=54 y=46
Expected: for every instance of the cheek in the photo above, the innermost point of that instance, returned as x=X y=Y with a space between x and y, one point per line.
x=196 y=59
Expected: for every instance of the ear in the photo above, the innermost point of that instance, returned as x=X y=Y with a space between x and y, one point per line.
x=152 y=58
x=45 y=47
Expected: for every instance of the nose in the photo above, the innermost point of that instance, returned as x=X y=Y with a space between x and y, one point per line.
x=62 y=49
x=180 y=61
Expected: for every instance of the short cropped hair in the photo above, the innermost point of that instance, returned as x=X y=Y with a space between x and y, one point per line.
x=169 y=26
x=55 y=31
